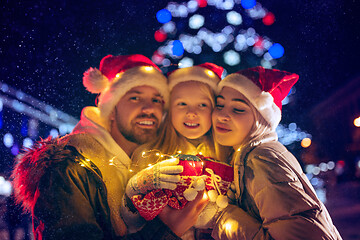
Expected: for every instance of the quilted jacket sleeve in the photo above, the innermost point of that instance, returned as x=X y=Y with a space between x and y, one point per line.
x=276 y=203
x=71 y=204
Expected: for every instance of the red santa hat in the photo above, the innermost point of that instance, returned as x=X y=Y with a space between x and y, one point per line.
x=208 y=73
x=118 y=74
x=264 y=88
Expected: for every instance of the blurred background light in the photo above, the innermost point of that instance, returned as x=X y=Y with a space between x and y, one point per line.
x=196 y=21
x=231 y=58
x=276 y=51
x=247 y=4
x=160 y=35
x=186 y=62
x=357 y=122
x=163 y=16
x=8 y=140
x=178 y=48
x=202 y=3
x=269 y=19
x=234 y=18
x=306 y=142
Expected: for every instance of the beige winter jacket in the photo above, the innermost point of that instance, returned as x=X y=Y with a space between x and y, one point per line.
x=274 y=199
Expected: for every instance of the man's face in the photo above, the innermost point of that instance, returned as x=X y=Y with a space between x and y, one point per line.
x=138 y=114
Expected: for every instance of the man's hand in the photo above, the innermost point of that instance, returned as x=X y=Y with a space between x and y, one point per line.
x=179 y=221
x=162 y=175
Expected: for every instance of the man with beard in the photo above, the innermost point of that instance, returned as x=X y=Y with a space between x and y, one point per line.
x=73 y=186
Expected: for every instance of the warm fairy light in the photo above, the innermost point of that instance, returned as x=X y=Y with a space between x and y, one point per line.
x=157 y=154
x=149 y=165
x=210 y=73
x=117 y=75
x=178 y=152
x=200 y=153
x=205 y=196
x=148 y=68
x=357 y=122
x=306 y=142
x=130 y=170
x=88 y=160
x=230 y=226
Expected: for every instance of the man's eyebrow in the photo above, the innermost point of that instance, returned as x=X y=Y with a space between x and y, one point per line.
x=140 y=92
x=133 y=91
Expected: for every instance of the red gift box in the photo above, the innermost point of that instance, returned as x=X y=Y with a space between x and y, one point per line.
x=150 y=205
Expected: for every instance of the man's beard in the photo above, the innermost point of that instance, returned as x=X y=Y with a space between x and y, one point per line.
x=139 y=135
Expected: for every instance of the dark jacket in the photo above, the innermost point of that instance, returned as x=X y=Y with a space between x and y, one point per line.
x=67 y=196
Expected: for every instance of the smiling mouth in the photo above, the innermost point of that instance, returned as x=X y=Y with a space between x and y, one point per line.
x=222 y=130
x=146 y=123
x=191 y=125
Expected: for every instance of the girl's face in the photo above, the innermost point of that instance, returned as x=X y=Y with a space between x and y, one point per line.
x=190 y=109
x=232 y=118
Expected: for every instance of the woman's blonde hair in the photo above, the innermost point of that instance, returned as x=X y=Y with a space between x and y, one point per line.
x=259 y=130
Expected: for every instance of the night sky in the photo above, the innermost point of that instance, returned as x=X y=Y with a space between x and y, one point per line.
x=47 y=45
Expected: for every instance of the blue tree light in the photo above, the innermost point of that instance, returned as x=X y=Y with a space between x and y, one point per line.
x=247 y=4
x=163 y=16
x=276 y=51
x=178 y=48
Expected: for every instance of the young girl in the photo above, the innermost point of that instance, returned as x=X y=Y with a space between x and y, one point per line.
x=274 y=198
x=187 y=127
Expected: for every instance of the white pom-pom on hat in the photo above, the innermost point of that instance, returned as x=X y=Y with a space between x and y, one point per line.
x=94 y=81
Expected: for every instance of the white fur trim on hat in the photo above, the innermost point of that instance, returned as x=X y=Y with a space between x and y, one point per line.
x=136 y=76
x=261 y=100
x=194 y=73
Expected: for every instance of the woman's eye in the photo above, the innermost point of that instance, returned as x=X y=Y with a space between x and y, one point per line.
x=236 y=110
x=203 y=105
x=181 y=104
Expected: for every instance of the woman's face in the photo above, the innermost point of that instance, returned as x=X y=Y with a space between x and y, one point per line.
x=232 y=118
x=190 y=110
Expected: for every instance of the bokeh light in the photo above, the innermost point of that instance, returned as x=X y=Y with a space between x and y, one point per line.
x=269 y=19
x=234 y=18
x=202 y=3
x=306 y=142
x=196 y=21
x=276 y=51
x=163 y=16
x=357 y=122
x=231 y=58
x=160 y=36
x=178 y=48
x=247 y=4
